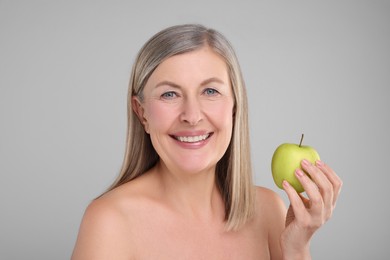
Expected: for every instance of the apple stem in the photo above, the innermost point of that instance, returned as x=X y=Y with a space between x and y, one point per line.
x=300 y=143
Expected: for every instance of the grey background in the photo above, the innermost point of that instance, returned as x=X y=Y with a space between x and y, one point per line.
x=321 y=68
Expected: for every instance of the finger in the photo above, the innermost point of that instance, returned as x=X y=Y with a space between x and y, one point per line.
x=324 y=185
x=305 y=201
x=289 y=216
x=334 y=179
x=312 y=191
x=296 y=202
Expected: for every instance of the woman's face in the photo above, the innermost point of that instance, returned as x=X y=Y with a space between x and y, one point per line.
x=188 y=110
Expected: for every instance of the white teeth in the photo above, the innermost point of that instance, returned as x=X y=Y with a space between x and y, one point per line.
x=192 y=139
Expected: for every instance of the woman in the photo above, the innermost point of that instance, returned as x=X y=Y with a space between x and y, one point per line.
x=185 y=190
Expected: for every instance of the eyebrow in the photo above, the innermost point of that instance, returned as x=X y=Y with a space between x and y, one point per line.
x=174 y=85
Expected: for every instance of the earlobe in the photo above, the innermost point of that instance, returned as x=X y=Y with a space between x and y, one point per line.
x=140 y=112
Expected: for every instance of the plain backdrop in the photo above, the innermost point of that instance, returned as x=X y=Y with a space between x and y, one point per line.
x=316 y=67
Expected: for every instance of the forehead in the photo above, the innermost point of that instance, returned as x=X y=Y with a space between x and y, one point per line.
x=193 y=66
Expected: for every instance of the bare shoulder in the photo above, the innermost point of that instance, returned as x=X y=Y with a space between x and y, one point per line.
x=271 y=211
x=99 y=232
x=108 y=224
x=267 y=197
x=270 y=206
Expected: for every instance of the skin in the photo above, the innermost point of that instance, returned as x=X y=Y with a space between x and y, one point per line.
x=175 y=210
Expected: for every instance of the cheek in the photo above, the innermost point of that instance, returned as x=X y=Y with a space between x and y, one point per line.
x=223 y=121
x=159 y=116
x=223 y=113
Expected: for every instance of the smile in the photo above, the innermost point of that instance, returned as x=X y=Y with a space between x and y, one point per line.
x=192 y=139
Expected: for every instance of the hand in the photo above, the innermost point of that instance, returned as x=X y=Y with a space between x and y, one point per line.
x=306 y=215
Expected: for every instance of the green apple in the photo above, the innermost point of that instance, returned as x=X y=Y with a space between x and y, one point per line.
x=287 y=158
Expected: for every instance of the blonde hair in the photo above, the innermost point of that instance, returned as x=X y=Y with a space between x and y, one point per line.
x=233 y=171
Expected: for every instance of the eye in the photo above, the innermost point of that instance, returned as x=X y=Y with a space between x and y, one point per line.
x=211 y=92
x=169 y=95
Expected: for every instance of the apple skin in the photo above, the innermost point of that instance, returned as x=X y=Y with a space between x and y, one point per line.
x=286 y=159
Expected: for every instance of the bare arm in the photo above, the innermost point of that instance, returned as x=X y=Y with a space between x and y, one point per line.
x=275 y=218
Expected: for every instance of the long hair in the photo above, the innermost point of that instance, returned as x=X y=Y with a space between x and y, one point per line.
x=233 y=171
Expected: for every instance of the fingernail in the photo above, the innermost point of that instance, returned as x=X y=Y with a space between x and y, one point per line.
x=305 y=162
x=285 y=183
x=319 y=163
x=299 y=173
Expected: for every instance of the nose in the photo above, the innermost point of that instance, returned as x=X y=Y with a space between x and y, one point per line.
x=191 y=111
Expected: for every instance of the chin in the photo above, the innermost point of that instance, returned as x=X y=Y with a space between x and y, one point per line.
x=193 y=167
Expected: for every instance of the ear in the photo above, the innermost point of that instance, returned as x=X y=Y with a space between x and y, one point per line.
x=140 y=112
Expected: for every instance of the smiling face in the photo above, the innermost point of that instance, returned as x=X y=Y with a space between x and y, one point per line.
x=188 y=110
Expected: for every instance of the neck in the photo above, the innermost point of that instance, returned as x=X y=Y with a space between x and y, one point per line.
x=194 y=194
